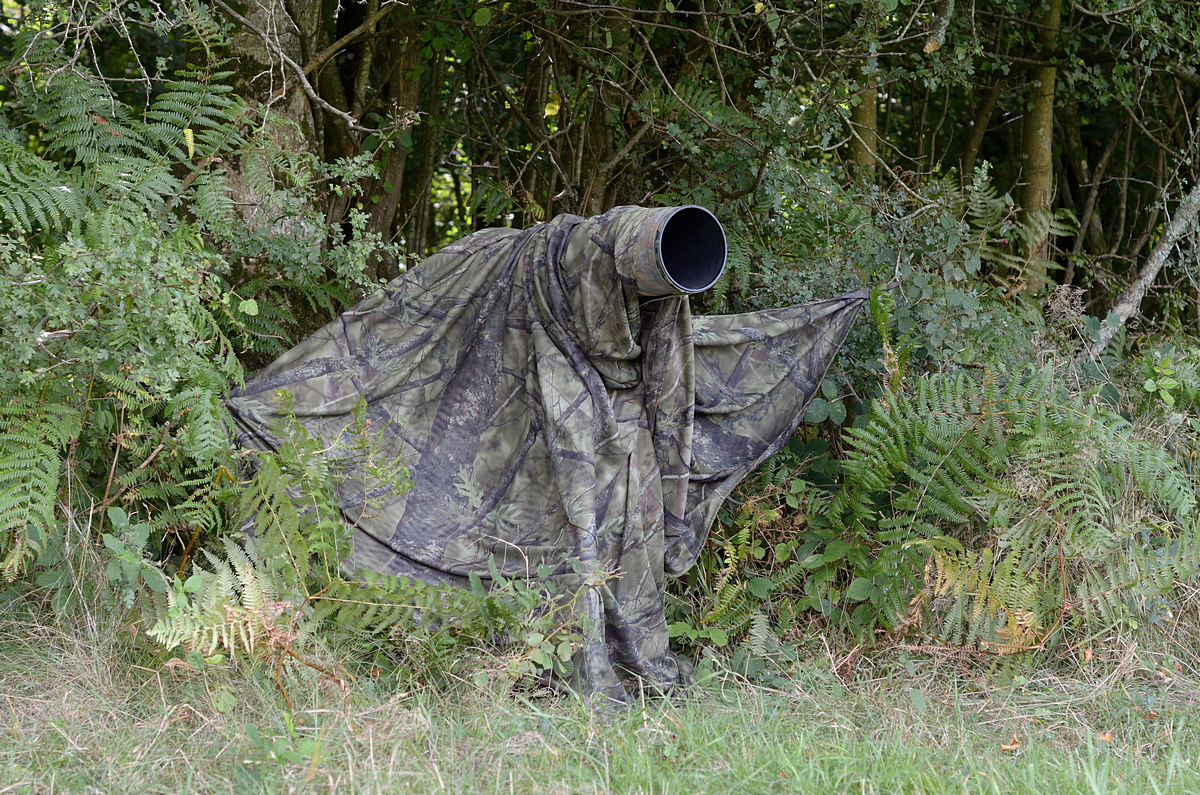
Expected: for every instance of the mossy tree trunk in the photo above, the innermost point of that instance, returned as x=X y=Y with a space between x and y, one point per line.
x=1037 y=144
x=864 y=131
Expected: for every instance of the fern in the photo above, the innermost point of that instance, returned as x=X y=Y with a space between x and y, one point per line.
x=1057 y=482
x=31 y=439
x=36 y=194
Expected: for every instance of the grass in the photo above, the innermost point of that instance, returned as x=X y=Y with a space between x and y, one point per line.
x=87 y=707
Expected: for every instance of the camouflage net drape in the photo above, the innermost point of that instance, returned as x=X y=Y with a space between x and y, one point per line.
x=553 y=414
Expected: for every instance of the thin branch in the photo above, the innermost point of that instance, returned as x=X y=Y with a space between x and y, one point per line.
x=351 y=122
x=633 y=140
x=1089 y=206
x=1131 y=300
x=333 y=49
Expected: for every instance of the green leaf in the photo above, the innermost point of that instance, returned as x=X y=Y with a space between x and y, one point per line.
x=812 y=561
x=482 y=17
x=836 y=550
x=817 y=412
x=972 y=262
x=837 y=412
x=760 y=587
x=859 y=589
x=118 y=518
x=249 y=307
x=113 y=570
x=138 y=534
x=223 y=700
x=718 y=636
x=917 y=698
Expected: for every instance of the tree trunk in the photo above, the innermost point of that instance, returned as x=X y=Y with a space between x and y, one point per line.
x=418 y=237
x=864 y=138
x=1037 y=146
x=983 y=117
x=403 y=94
x=1077 y=155
x=261 y=79
x=595 y=185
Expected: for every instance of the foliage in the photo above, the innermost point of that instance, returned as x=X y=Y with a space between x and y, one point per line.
x=124 y=318
x=174 y=209
x=1002 y=511
x=282 y=591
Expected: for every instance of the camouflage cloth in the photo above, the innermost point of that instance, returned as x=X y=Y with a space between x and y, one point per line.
x=552 y=414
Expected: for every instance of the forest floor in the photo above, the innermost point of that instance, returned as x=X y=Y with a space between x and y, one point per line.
x=86 y=708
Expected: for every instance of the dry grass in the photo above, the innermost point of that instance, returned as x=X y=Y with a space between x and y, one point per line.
x=87 y=707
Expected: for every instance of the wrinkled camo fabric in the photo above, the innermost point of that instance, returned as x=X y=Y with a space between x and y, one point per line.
x=551 y=414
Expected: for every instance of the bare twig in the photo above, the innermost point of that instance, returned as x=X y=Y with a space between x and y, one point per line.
x=350 y=121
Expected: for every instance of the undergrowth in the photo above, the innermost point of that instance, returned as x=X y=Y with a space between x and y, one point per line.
x=965 y=483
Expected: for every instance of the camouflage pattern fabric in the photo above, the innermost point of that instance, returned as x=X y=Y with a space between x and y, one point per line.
x=553 y=414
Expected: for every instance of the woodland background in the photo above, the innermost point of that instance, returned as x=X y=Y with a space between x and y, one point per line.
x=1002 y=467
